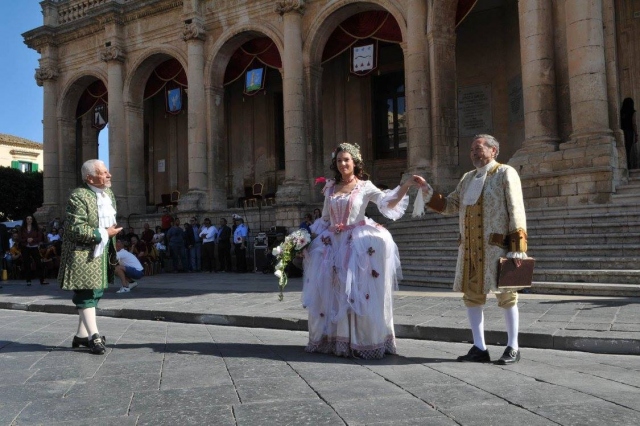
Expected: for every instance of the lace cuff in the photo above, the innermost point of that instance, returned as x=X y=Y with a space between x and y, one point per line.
x=398 y=211
x=517 y=255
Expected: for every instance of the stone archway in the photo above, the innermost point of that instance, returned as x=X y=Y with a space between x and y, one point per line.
x=77 y=139
x=144 y=178
x=325 y=126
x=231 y=166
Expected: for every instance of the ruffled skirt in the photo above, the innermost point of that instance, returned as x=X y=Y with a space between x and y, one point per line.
x=349 y=278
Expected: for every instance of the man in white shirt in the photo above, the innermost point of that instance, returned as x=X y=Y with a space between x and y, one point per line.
x=129 y=267
x=208 y=234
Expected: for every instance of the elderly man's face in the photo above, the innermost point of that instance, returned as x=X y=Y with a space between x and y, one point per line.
x=481 y=154
x=101 y=178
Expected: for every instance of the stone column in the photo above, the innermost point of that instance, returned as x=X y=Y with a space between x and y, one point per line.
x=295 y=186
x=613 y=83
x=217 y=149
x=194 y=35
x=121 y=162
x=313 y=115
x=538 y=75
x=417 y=89
x=52 y=205
x=444 y=129
x=587 y=69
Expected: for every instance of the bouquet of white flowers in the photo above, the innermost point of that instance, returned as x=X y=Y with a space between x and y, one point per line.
x=293 y=244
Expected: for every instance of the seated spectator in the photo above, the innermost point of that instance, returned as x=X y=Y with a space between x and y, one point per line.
x=13 y=258
x=147 y=234
x=53 y=236
x=129 y=235
x=128 y=269
x=306 y=223
x=139 y=249
x=49 y=258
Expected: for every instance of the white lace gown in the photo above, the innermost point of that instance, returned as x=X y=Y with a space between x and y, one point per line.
x=350 y=271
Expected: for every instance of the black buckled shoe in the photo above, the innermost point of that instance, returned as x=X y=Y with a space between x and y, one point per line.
x=84 y=341
x=510 y=356
x=96 y=345
x=475 y=354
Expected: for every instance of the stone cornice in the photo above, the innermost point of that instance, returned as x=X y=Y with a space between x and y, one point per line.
x=45 y=73
x=39 y=37
x=193 y=31
x=112 y=53
x=87 y=21
x=286 y=6
x=25 y=153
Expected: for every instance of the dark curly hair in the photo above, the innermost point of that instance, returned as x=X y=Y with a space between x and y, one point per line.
x=358 y=166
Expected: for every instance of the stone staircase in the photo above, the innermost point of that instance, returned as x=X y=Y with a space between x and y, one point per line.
x=592 y=249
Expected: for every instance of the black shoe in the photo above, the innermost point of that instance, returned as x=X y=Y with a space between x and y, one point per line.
x=84 y=341
x=475 y=355
x=510 y=356
x=96 y=345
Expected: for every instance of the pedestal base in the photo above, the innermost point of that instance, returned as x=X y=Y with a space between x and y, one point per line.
x=193 y=201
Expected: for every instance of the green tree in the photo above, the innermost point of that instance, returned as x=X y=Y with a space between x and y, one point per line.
x=20 y=193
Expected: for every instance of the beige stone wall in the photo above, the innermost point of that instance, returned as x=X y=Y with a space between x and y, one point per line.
x=228 y=141
x=628 y=50
x=488 y=53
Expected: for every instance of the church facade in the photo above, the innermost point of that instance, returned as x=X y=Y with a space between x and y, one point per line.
x=208 y=97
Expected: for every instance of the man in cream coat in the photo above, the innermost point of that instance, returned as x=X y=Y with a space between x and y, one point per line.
x=492 y=223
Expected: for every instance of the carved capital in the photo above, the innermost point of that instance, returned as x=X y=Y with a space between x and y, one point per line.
x=286 y=6
x=112 y=53
x=45 y=73
x=193 y=31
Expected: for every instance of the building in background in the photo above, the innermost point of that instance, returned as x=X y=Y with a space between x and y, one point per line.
x=20 y=153
x=205 y=98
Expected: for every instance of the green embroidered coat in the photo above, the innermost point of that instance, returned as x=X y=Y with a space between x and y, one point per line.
x=79 y=270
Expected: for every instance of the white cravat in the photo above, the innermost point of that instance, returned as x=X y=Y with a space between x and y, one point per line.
x=106 y=218
x=473 y=191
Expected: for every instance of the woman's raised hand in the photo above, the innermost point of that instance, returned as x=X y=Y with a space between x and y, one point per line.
x=418 y=181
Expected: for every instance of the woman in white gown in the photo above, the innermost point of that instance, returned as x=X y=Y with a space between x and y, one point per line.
x=352 y=267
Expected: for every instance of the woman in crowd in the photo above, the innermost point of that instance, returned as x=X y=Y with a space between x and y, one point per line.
x=353 y=266
x=30 y=239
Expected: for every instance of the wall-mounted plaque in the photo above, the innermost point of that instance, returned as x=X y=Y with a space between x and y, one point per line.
x=160 y=166
x=474 y=110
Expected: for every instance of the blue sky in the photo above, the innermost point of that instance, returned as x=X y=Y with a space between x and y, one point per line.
x=21 y=110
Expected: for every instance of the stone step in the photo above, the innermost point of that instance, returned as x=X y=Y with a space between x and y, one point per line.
x=632 y=187
x=542 y=287
x=620 y=239
x=542 y=250
x=591 y=289
x=627 y=263
x=608 y=276
x=626 y=198
x=427 y=273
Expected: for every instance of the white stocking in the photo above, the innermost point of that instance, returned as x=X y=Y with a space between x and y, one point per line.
x=476 y=321
x=88 y=316
x=512 y=318
x=82 y=330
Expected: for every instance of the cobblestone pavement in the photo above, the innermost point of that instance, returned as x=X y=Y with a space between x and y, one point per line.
x=165 y=373
x=586 y=323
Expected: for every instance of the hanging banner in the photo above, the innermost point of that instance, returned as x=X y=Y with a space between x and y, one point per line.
x=100 y=117
x=174 y=100
x=254 y=81
x=364 y=58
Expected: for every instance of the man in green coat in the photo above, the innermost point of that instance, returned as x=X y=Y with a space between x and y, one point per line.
x=88 y=249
